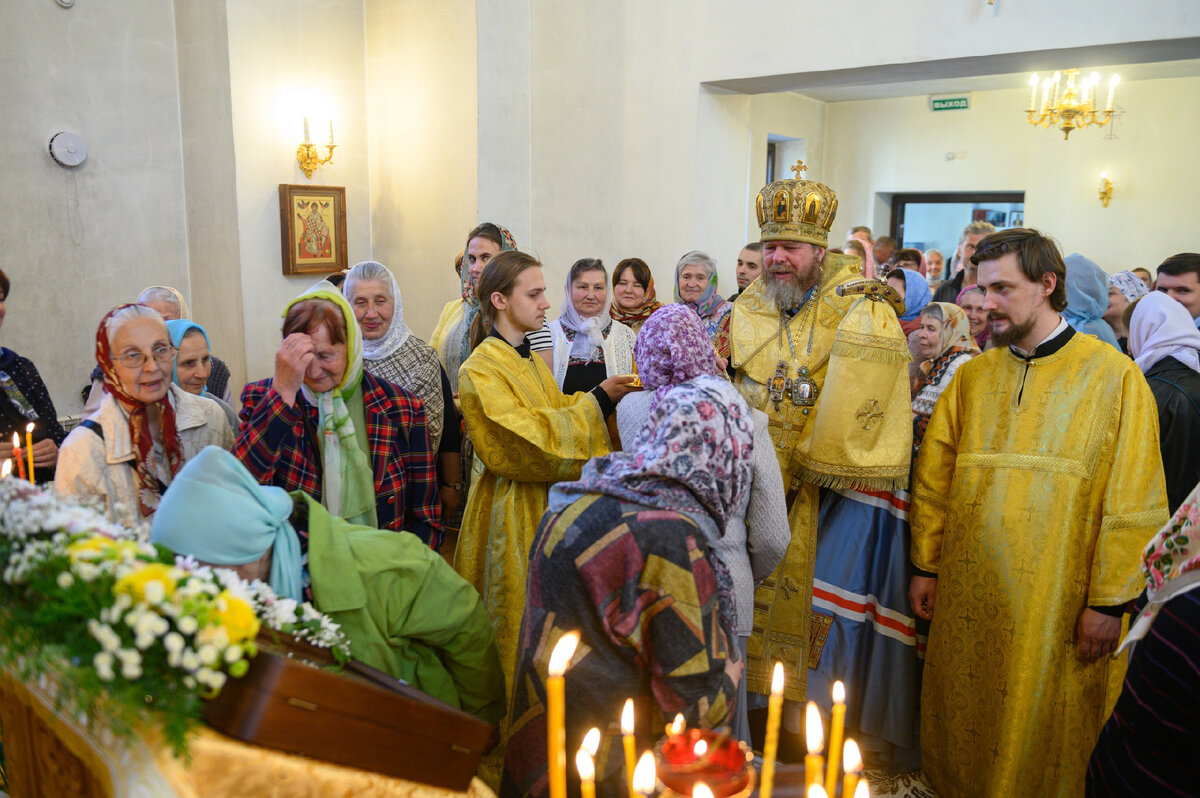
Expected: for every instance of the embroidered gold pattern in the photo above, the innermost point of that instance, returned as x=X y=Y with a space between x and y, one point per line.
x=869 y=414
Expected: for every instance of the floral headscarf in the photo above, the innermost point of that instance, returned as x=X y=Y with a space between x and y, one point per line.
x=639 y=314
x=1170 y=563
x=710 y=301
x=983 y=337
x=955 y=337
x=1129 y=284
x=693 y=455
x=149 y=487
x=671 y=348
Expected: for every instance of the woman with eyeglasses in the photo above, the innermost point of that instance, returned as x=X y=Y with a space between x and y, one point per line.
x=146 y=428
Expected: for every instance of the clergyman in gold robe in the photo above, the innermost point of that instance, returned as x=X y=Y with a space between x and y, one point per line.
x=819 y=350
x=1037 y=486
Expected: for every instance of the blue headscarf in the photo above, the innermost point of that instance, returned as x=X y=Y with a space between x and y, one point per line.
x=178 y=329
x=1087 y=298
x=216 y=512
x=917 y=294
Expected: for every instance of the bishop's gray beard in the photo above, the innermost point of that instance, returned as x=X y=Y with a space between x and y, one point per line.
x=786 y=294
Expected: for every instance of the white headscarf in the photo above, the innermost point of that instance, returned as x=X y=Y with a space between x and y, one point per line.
x=398 y=332
x=590 y=331
x=1161 y=327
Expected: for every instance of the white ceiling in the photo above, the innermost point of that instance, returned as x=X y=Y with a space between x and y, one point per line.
x=1016 y=80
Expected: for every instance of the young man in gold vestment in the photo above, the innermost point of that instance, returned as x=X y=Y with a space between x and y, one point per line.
x=819 y=350
x=1037 y=486
x=527 y=436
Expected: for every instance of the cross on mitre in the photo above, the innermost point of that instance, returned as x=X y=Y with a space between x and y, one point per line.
x=800 y=168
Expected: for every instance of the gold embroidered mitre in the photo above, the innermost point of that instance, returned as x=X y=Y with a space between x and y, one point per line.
x=797 y=210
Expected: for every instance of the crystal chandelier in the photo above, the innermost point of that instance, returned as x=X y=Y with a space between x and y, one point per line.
x=1070 y=107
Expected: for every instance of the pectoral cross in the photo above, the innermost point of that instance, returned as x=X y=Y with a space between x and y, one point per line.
x=800 y=168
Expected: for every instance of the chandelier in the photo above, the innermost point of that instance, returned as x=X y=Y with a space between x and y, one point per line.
x=1072 y=107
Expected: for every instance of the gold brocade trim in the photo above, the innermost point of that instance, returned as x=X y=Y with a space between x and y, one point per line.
x=878 y=478
x=928 y=497
x=818 y=633
x=1146 y=518
x=1023 y=462
x=871 y=348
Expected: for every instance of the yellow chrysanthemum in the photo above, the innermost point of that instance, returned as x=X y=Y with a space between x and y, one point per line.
x=238 y=618
x=92 y=548
x=134 y=583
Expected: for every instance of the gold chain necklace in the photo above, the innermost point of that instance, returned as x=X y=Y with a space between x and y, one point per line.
x=800 y=389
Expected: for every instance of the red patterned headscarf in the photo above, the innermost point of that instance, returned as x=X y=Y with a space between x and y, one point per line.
x=149 y=487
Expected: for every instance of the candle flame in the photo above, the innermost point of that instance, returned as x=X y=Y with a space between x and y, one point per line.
x=644 y=775
x=6 y=469
x=700 y=748
x=627 y=717
x=817 y=791
x=1033 y=80
x=29 y=427
x=814 y=735
x=583 y=764
x=1114 y=80
x=677 y=725
x=851 y=757
x=862 y=790
x=777 y=679
x=701 y=790
x=591 y=741
x=839 y=693
x=562 y=653
x=16 y=441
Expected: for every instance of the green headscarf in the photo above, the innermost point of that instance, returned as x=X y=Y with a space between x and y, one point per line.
x=349 y=482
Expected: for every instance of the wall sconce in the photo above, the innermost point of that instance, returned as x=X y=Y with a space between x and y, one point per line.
x=1106 y=189
x=306 y=153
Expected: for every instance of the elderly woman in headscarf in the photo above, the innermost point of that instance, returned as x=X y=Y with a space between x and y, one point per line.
x=391 y=352
x=626 y=557
x=970 y=299
x=451 y=337
x=357 y=444
x=1087 y=298
x=402 y=606
x=671 y=350
x=171 y=305
x=696 y=287
x=193 y=363
x=633 y=294
x=1148 y=746
x=146 y=427
x=944 y=342
x=1123 y=288
x=915 y=291
x=1165 y=344
x=589 y=346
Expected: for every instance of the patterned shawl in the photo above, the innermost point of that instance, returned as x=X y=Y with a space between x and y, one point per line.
x=1129 y=284
x=983 y=337
x=397 y=332
x=149 y=488
x=710 y=301
x=672 y=348
x=955 y=342
x=693 y=455
x=632 y=318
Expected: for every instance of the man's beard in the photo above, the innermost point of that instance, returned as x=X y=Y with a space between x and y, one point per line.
x=786 y=294
x=1014 y=332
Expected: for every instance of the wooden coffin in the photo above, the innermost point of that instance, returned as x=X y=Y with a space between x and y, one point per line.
x=361 y=718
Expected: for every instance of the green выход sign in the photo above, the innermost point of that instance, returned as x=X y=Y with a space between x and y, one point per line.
x=949 y=103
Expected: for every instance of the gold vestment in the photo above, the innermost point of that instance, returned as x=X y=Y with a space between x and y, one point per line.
x=858 y=432
x=1037 y=486
x=527 y=436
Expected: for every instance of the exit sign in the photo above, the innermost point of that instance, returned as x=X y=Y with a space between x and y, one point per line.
x=950 y=102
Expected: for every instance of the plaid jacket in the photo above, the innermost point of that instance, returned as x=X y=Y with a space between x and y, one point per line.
x=274 y=444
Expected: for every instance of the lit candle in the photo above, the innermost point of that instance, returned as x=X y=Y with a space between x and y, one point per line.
x=591 y=741
x=816 y=791
x=701 y=790
x=629 y=741
x=677 y=726
x=852 y=764
x=771 y=747
x=644 y=776
x=835 y=735
x=306 y=139
x=1045 y=94
x=814 y=738
x=17 y=456
x=862 y=791
x=700 y=749
x=1033 y=84
x=330 y=132
x=29 y=447
x=556 y=735
x=1054 y=90
x=1095 y=81
x=1112 y=88
x=6 y=469
x=587 y=774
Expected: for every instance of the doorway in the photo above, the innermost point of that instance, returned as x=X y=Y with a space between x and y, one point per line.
x=936 y=220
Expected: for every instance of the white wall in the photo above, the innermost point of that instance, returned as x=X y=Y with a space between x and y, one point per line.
x=1154 y=206
x=76 y=242
x=422 y=124
x=288 y=59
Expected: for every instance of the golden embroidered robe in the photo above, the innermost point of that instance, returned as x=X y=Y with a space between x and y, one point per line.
x=527 y=436
x=1035 y=490
x=858 y=433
